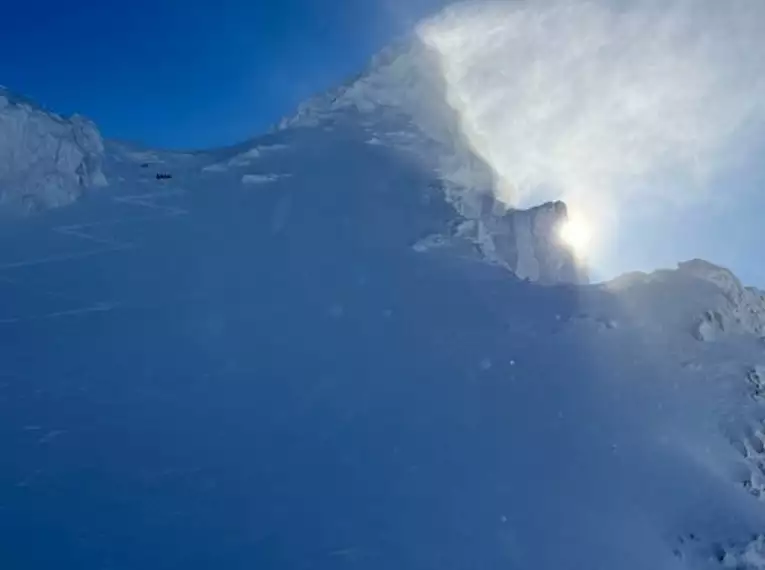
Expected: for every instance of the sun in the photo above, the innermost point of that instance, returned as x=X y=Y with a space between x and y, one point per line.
x=575 y=233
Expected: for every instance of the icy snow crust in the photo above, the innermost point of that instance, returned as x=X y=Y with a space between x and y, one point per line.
x=314 y=356
x=45 y=160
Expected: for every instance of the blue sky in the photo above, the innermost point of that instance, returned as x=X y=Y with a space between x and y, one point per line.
x=184 y=74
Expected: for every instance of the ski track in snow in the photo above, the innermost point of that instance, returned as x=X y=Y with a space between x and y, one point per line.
x=97 y=308
x=106 y=245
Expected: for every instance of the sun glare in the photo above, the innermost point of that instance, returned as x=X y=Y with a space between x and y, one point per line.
x=576 y=235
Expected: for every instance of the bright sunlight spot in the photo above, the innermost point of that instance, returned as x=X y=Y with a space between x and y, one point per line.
x=576 y=234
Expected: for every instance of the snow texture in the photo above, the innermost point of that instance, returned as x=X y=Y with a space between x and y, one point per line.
x=357 y=365
x=402 y=100
x=277 y=380
x=46 y=161
x=242 y=159
x=742 y=309
x=262 y=178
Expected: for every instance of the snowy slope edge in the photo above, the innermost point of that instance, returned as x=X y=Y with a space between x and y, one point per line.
x=401 y=100
x=46 y=160
x=719 y=307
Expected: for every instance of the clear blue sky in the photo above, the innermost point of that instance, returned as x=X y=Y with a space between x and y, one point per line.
x=190 y=74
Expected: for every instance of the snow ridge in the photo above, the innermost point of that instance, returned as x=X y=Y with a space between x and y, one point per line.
x=401 y=100
x=742 y=309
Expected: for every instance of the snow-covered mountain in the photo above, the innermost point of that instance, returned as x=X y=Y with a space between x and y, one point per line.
x=330 y=346
x=45 y=160
x=402 y=100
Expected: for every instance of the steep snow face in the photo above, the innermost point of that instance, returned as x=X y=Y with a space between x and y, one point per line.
x=46 y=161
x=402 y=100
x=293 y=353
x=274 y=376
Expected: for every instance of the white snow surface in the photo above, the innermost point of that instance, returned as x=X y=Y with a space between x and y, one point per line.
x=242 y=159
x=402 y=100
x=617 y=425
x=45 y=160
x=368 y=361
x=262 y=178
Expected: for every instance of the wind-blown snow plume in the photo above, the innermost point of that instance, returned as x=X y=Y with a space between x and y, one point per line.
x=601 y=103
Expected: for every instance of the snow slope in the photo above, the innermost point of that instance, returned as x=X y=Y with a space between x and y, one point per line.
x=402 y=100
x=317 y=350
